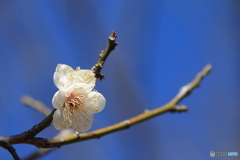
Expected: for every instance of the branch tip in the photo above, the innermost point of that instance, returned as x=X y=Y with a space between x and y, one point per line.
x=113 y=36
x=104 y=55
x=128 y=123
x=209 y=67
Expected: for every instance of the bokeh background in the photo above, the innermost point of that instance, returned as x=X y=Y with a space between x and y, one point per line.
x=163 y=44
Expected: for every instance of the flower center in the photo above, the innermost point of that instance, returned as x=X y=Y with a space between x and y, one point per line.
x=76 y=107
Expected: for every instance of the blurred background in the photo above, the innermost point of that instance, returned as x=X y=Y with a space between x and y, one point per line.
x=163 y=44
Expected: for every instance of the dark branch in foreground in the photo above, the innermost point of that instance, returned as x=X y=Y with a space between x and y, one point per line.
x=39 y=106
x=13 y=152
x=27 y=136
x=104 y=54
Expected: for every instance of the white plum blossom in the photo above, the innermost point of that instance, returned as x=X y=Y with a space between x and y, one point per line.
x=76 y=101
x=65 y=76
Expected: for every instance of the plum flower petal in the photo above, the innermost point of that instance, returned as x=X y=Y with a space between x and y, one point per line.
x=65 y=76
x=58 y=121
x=58 y=99
x=97 y=102
x=75 y=107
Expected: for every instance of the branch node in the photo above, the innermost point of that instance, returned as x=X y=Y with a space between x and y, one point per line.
x=128 y=123
x=146 y=111
x=101 y=54
x=179 y=109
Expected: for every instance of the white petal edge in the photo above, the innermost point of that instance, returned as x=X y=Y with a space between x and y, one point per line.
x=58 y=99
x=56 y=80
x=60 y=77
x=63 y=69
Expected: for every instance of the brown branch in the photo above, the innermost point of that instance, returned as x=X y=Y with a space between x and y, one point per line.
x=104 y=54
x=41 y=152
x=172 y=106
x=27 y=136
x=39 y=106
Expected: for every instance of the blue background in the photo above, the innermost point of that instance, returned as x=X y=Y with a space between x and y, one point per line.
x=162 y=46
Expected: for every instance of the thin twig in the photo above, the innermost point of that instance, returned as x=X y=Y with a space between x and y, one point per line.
x=39 y=153
x=104 y=54
x=37 y=105
x=172 y=106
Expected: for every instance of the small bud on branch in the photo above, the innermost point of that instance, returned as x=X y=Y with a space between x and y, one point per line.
x=104 y=54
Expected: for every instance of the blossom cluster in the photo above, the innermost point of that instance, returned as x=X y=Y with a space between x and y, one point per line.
x=76 y=101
